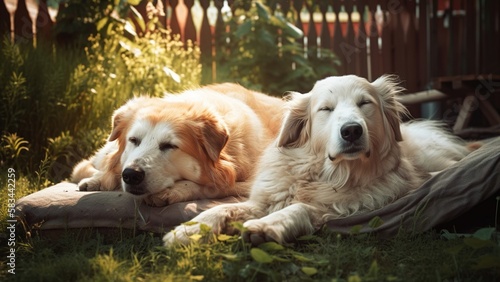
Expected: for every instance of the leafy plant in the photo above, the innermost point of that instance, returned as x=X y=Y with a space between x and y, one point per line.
x=261 y=51
x=55 y=109
x=12 y=147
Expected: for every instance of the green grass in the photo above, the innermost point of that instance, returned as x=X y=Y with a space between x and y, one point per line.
x=128 y=255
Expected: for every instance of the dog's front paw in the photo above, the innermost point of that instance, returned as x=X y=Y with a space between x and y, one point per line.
x=157 y=200
x=259 y=231
x=89 y=184
x=181 y=234
x=180 y=191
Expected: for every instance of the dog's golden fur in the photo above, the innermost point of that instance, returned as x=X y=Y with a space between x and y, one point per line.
x=341 y=151
x=202 y=143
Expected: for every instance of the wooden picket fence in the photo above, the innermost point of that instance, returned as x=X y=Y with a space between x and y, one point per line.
x=448 y=45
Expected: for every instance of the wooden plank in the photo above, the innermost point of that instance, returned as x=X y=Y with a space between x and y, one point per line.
x=375 y=52
x=174 y=23
x=411 y=49
x=189 y=29
x=23 y=25
x=312 y=35
x=350 y=51
x=489 y=112
x=433 y=42
x=422 y=52
x=4 y=20
x=470 y=102
x=205 y=33
x=400 y=55
x=360 y=42
x=387 y=41
x=43 y=23
x=338 y=38
x=471 y=39
x=421 y=97
x=325 y=32
x=450 y=52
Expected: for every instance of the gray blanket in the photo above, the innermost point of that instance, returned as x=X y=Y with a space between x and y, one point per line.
x=442 y=198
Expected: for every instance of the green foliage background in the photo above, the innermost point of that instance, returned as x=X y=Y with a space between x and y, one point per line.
x=56 y=101
x=262 y=51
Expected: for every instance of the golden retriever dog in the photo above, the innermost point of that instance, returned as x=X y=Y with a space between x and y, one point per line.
x=342 y=150
x=202 y=143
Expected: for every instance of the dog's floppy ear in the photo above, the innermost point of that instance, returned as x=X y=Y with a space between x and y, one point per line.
x=388 y=88
x=118 y=125
x=123 y=115
x=214 y=137
x=295 y=129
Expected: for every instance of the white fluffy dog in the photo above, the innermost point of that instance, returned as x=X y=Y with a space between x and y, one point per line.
x=341 y=151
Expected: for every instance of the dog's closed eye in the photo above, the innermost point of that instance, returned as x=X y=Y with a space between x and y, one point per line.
x=364 y=102
x=134 y=140
x=165 y=146
x=326 y=108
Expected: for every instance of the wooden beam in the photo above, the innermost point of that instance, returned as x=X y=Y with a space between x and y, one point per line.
x=421 y=97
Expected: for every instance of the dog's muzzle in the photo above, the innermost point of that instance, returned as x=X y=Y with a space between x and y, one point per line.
x=353 y=143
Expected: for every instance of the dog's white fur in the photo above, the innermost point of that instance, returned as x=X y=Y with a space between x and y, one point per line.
x=314 y=172
x=202 y=143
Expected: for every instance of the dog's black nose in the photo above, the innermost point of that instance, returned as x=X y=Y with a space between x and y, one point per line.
x=133 y=175
x=351 y=131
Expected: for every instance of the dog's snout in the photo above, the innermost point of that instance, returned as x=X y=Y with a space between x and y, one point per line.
x=351 y=131
x=133 y=175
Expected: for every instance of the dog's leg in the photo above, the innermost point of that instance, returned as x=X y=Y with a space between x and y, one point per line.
x=284 y=225
x=186 y=190
x=84 y=169
x=217 y=219
x=101 y=181
x=182 y=191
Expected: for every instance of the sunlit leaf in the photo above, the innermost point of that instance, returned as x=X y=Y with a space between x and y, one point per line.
x=373 y=271
x=354 y=278
x=300 y=257
x=243 y=29
x=101 y=23
x=484 y=233
x=271 y=246
x=356 y=229
x=205 y=228
x=375 y=222
x=309 y=271
x=488 y=262
x=478 y=243
x=223 y=237
x=293 y=31
x=262 y=10
x=260 y=255
x=238 y=226
x=134 y=2
x=197 y=277
x=195 y=237
x=130 y=28
x=231 y=257
x=130 y=46
x=172 y=74
x=138 y=18
x=190 y=223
